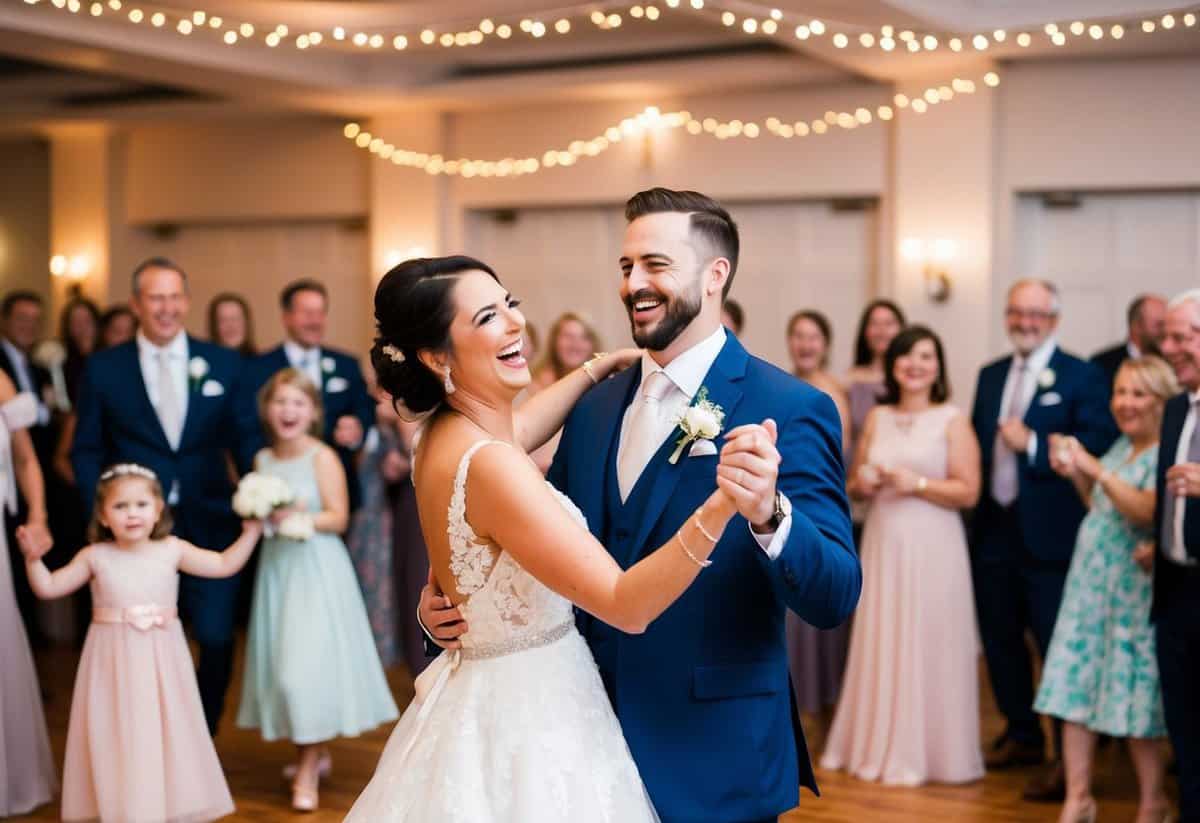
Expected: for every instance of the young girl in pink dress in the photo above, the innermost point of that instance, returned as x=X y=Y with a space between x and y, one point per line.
x=138 y=749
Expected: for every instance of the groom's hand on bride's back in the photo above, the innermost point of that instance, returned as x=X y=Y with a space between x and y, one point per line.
x=749 y=468
x=441 y=619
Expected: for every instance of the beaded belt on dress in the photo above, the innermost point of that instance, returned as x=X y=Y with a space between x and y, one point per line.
x=143 y=618
x=518 y=644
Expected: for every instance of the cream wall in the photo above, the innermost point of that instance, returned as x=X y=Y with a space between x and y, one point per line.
x=953 y=172
x=25 y=215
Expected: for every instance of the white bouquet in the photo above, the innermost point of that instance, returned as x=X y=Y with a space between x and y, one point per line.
x=296 y=526
x=260 y=494
x=51 y=355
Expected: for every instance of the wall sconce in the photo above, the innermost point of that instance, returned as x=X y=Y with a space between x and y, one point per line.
x=934 y=257
x=75 y=269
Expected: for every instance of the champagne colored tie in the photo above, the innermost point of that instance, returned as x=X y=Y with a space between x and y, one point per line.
x=1005 y=485
x=645 y=434
x=170 y=414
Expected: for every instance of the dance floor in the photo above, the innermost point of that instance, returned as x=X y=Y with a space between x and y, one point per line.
x=253 y=769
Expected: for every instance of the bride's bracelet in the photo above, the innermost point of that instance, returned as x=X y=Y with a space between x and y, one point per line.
x=704 y=564
x=587 y=367
x=703 y=531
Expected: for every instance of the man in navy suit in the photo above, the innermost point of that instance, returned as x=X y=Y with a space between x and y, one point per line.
x=166 y=400
x=1146 y=318
x=349 y=409
x=703 y=695
x=1025 y=525
x=1176 y=609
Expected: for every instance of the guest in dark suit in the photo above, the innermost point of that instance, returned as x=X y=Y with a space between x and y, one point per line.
x=349 y=409
x=21 y=317
x=1147 y=317
x=1176 y=609
x=1024 y=529
x=166 y=400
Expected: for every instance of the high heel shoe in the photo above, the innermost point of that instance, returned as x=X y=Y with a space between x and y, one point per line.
x=304 y=798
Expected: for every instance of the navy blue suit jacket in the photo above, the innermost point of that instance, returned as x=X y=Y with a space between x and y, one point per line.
x=1166 y=573
x=117 y=424
x=1048 y=507
x=703 y=695
x=349 y=398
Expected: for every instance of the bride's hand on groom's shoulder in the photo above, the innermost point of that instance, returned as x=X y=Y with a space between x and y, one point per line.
x=749 y=468
x=618 y=361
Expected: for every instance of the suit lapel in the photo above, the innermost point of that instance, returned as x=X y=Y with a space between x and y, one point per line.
x=133 y=365
x=1052 y=366
x=723 y=382
x=191 y=415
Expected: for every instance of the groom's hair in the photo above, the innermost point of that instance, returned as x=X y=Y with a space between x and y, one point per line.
x=709 y=221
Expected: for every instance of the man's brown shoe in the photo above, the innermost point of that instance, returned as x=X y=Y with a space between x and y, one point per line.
x=1007 y=753
x=1049 y=786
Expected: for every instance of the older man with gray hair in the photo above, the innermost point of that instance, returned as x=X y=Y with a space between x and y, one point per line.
x=1025 y=525
x=1176 y=609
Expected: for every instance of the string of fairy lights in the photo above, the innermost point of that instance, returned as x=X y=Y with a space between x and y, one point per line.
x=652 y=119
x=750 y=19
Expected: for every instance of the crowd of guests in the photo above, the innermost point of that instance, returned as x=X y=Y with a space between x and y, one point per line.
x=1043 y=512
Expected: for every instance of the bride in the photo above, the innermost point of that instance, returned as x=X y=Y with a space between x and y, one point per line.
x=515 y=725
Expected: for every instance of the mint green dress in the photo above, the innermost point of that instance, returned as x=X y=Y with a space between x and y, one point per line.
x=1101 y=671
x=312 y=671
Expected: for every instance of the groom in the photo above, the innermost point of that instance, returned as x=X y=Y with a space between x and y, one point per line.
x=703 y=695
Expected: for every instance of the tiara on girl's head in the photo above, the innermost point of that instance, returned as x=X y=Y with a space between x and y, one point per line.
x=126 y=470
x=394 y=354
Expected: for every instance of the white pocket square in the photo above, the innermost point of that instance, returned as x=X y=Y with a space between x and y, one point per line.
x=212 y=388
x=702 y=448
x=1051 y=398
x=336 y=384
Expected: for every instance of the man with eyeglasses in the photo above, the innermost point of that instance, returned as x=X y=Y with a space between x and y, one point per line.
x=1024 y=528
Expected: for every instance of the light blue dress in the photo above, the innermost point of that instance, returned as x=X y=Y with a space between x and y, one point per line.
x=312 y=671
x=1101 y=670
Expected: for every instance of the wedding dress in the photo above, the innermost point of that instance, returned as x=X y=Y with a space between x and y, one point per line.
x=514 y=726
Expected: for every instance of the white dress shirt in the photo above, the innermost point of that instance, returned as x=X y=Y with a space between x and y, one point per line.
x=25 y=382
x=1035 y=363
x=1178 y=551
x=177 y=359
x=687 y=373
x=307 y=360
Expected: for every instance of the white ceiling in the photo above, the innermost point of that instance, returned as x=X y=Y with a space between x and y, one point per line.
x=57 y=66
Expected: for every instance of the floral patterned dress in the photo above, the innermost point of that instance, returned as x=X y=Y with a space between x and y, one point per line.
x=1101 y=671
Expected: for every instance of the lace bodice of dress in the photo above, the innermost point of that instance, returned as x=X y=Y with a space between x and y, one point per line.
x=505 y=604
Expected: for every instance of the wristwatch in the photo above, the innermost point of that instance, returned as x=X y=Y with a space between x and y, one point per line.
x=783 y=509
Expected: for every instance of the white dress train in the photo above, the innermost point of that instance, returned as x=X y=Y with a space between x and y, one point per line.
x=515 y=726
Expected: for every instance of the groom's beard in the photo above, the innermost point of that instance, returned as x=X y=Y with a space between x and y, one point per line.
x=681 y=311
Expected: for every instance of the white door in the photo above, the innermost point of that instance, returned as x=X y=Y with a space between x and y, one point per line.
x=1104 y=252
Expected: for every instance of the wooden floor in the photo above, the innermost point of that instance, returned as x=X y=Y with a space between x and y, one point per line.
x=253 y=769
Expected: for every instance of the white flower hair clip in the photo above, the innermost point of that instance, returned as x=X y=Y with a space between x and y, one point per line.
x=127 y=470
x=394 y=354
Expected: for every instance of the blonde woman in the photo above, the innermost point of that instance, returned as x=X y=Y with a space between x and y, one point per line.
x=1101 y=674
x=571 y=343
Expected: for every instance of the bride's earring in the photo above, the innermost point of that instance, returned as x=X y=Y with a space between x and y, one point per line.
x=448 y=383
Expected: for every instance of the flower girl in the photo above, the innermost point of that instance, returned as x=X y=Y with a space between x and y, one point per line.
x=312 y=672
x=138 y=748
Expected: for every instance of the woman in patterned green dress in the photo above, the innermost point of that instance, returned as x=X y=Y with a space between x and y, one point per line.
x=1101 y=676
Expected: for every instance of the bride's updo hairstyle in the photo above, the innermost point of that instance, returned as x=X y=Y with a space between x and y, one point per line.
x=414 y=307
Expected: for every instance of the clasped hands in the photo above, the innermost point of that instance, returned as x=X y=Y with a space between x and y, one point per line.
x=34 y=540
x=746 y=473
x=1069 y=458
x=873 y=479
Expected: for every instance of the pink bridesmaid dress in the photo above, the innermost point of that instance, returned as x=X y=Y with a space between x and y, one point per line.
x=909 y=709
x=138 y=749
x=27 y=778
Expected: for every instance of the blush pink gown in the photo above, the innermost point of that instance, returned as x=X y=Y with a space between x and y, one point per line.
x=909 y=709
x=138 y=749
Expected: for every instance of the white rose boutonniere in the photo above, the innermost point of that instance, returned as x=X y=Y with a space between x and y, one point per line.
x=197 y=369
x=700 y=421
x=328 y=365
x=1046 y=378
